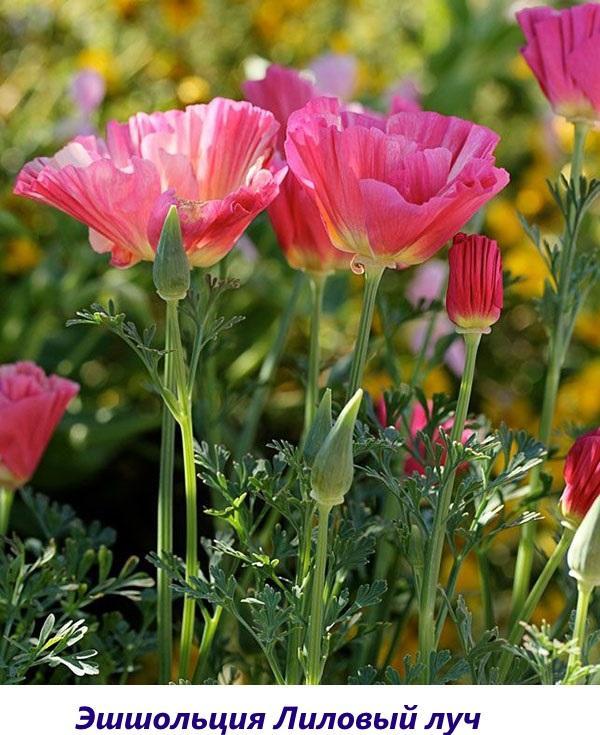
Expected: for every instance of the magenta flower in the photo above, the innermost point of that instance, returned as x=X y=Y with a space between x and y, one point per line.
x=582 y=476
x=210 y=160
x=391 y=192
x=282 y=91
x=336 y=75
x=563 y=51
x=31 y=406
x=300 y=230
x=475 y=292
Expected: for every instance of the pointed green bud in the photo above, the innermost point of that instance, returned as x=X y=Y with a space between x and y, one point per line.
x=333 y=468
x=320 y=427
x=171 y=270
x=584 y=553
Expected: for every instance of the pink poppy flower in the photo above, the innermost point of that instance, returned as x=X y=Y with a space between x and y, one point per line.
x=281 y=92
x=475 y=292
x=336 y=75
x=582 y=476
x=300 y=230
x=391 y=192
x=210 y=160
x=563 y=51
x=31 y=406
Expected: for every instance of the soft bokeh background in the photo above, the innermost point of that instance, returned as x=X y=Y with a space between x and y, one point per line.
x=155 y=54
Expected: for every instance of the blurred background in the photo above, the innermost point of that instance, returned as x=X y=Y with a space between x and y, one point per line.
x=67 y=66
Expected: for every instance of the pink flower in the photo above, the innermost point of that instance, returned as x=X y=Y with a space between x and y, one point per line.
x=87 y=90
x=427 y=282
x=475 y=294
x=210 y=160
x=582 y=476
x=454 y=357
x=300 y=231
x=391 y=192
x=417 y=461
x=282 y=91
x=563 y=51
x=31 y=406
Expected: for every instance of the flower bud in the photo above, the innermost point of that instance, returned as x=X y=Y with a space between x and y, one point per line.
x=171 y=270
x=333 y=468
x=319 y=429
x=582 y=477
x=475 y=291
x=584 y=552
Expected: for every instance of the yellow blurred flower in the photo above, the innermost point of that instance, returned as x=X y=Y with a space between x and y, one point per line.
x=524 y=261
x=22 y=255
x=519 y=67
x=101 y=61
x=503 y=223
x=579 y=398
x=586 y=328
x=193 y=89
x=437 y=381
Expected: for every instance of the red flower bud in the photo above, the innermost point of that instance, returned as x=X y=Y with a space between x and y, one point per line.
x=474 y=296
x=582 y=476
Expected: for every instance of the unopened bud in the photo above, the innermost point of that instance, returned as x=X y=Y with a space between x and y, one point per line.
x=171 y=270
x=333 y=468
x=584 y=553
x=319 y=429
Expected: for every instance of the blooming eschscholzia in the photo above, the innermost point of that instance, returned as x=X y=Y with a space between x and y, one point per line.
x=563 y=50
x=391 y=192
x=31 y=406
x=211 y=161
x=582 y=476
x=475 y=292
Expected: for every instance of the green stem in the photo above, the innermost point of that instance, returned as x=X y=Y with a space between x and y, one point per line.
x=184 y=420
x=293 y=668
x=164 y=541
x=6 y=501
x=317 y=284
x=267 y=371
x=526 y=611
x=211 y=624
x=584 y=595
x=557 y=352
x=438 y=530
x=359 y=359
x=486 y=589
x=315 y=625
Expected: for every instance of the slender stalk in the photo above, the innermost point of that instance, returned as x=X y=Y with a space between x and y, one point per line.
x=483 y=567
x=359 y=359
x=164 y=541
x=438 y=531
x=317 y=286
x=211 y=623
x=315 y=626
x=6 y=501
x=557 y=352
x=184 y=420
x=526 y=611
x=584 y=595
x=293 y=668
x=267 y=370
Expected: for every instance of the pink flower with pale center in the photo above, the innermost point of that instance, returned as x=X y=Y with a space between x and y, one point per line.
x=475 y=292
x=210 y=160
x=582 y=476
x=31 y=406
x=563 y=51
x=391 y=192
x=300 y=230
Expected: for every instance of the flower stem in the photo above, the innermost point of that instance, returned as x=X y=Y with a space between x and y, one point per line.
x=267 y=370
x=558 y=346
x=164 y=542
x=317 y=284
x=584 y=595
x=184 y=420
x=6 y=501
x=211 y=623
x=359 y=359
x=315 y=626
x=420 y=362
x=526 y=611
x=438 y=530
